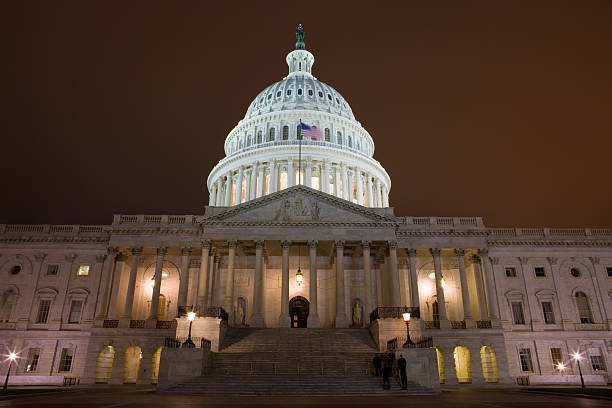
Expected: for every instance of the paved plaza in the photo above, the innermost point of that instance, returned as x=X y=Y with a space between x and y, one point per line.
x=127 y=396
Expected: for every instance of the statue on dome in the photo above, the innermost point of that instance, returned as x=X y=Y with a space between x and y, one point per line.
x=299 y=35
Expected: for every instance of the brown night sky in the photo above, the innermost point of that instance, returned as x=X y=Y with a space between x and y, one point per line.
x=494 y=109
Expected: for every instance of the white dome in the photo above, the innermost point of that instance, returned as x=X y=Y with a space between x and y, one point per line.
x=265 y=150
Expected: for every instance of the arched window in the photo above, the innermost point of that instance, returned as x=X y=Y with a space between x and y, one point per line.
x=279 y=93
x=269 y=96
x=462 y=364
x=299 y=91
x=288 y=92
x=584 y=310
x=350 y=141
x=7 y=302
x=329 y=97
x=327 y=135
x=104 y=365
x=258 y=136
x=489 y=364
x=300 y=66
x=272 y=134
x=339 y=138
x=320 y=94
x=285 y=132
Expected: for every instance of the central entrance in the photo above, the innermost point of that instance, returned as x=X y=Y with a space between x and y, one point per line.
x=298 y=309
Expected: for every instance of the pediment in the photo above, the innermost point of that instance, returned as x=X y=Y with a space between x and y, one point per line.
x=299 y=204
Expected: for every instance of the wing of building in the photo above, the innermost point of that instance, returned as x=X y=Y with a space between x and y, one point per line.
x=298 y=233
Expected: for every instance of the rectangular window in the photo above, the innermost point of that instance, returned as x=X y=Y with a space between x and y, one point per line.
x=517 y=313
x=43 y=311
x=547 y=309
x=540 y=272
x=83 y=270
x=597 y=361
x=65 y=361
x=511 y=272
x=52 y=270
x=32 y=362
x=76 y=309
x=609 y=269
x=525 y=359
x=557 y=357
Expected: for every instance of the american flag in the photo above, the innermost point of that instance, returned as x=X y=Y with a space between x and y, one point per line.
x=311 y=131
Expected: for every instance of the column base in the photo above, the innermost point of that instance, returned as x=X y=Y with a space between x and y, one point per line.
x=470 y=323
x=313 y=322
x=495 y=323
x=445 y=324
x=341 y=322
x=124 y=322
x=256 y=321
x=151 y=323
x=98 y=321
x=284 y=320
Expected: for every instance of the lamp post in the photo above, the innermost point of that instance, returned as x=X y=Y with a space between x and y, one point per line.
x=406 y=317
x=12 y=357
x=189 y=343
x=577 y=357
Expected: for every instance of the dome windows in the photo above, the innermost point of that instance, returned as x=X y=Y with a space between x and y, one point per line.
x=320 y=94
x=272 y=134
x=310 y=92
x=15 y=270
x=327 y=135
x=338 y=101
x=299 y=91
x=329 y=97
x=339 y=138
x=269 y=96
x=259 y=137
x=575 y=272
x=350 y=142
x=288 y=92
x=285 y=132
x=279 y=93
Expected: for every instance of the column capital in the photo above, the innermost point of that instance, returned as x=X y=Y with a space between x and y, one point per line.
x=483 y=252
x=100 y=258
x=232 y=244
x=411 y=252
x=459 y=252
x=112 y=251
x=339 y=244
x=435 y=251
x=260 y=244
x=402 y=261
x=286 y=244
x=185 y=251
x=594 y=260
x=161 y=251
x=523 y=260
x=120 y=257
x=475 y=258
x=494 y=260
x=205 y=243
x=392 y=244
x=136 y=250
x=313 y=244
x=366 y=244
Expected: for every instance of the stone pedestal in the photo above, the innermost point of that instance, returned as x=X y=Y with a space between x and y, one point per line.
x=421 y=366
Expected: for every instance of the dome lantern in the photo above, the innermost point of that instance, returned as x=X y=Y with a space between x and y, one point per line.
x=300 y=61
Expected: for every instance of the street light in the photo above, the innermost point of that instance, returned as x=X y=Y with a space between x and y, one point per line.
x=189 y=343
x=577 y=357
x=12 y=357
x=406 y=317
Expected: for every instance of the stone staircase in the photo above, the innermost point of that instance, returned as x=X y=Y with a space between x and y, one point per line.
x=293 y=362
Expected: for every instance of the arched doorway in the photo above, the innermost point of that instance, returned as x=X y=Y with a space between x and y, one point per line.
x=298 y=309
x=104 y=365
x=133 y=355
x=155 y=365
x=462 y=364
x=441 y=373
x=489 y=364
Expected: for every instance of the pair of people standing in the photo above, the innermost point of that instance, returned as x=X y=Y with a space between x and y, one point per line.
x=384 y=367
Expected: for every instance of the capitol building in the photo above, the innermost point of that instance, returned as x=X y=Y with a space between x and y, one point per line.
x=299 y=254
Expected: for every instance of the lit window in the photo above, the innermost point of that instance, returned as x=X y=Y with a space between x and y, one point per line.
x=525 y=359
x=557 y=357
x=331 y=185
x=43 y=311
x=297 y=177
x=329 y=97
x=314 y=183
x=575 y=272
x=517 y=313
x=32 y=361
x=547 y=310
x=65 y=361
x=539 y=272
x=267 y=184
x=243 y=192
x=511 y=272
x=283 y=180
x=597 y=360
x=83 y=270
x=584 y=309
x=76 y=309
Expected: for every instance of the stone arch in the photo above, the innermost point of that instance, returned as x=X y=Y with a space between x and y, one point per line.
x=489 y=364
x=461 y=355
x=440 y=358
x=133 y=356
x=299 y=308
x=155 y=365
x=104 y=364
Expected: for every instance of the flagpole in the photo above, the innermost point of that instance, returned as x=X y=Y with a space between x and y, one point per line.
x=300 y=155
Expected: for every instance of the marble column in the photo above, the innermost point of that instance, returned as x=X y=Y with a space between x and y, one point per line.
x=105 y=286
x=214 y=280
x=124 y=321
x=350 y=173
x=394 y=283
x=313 y=316
x=369 y=195
x=308 y=175
x=228 y=189
x=238 y=196
x=219 y=201
x=377 y=202
x=183 y=282
x=480 y=293
x=257 y=319
x=490 y=281
x=261 y=181
x=444 y=323
x=253 y=183
x=247 y=187
x=341 y=319
x=337 y=190
x=290 y=173
x=284 y=320
x=359 y=187
x=229 y=282
x=414 y=278
x=212 y=195
x=402 y=265
x=161 y=252
x=273 y=177
x=325 y=177
x=385 y=197
x=465 y=293
x=203 y=280
x=367 y=277
x=345 y=185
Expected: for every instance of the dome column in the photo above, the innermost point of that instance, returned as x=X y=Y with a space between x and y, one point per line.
x=359 y=188
x=308 y=176
x=284 y=320
x=228 y=189
x=369 y=195
x=385 y=197
x=325 y=177
x=377 y=202
x=238 y=197
x=247 y=190
x=344 y=193
x=290 y=173
x=337 y=191
x=219 y=197
x=313 y=316
x=213 y=194
x=261 y=182
x=341 y=319
x=350 y=172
